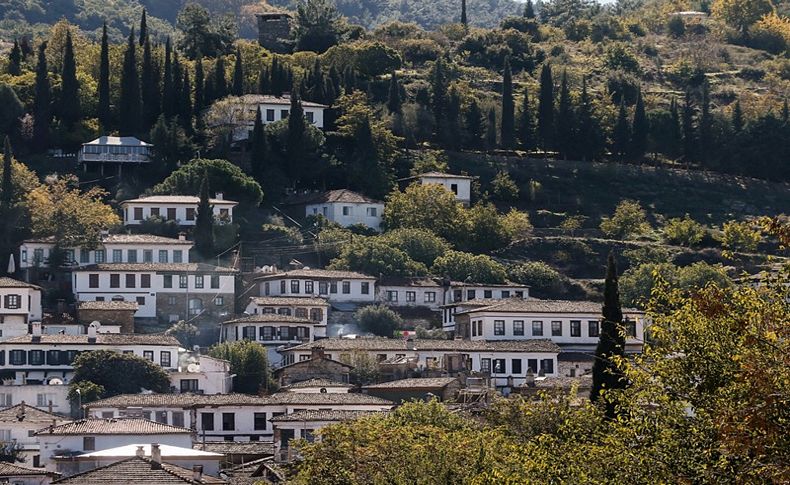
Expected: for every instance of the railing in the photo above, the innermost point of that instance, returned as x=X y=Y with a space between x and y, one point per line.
x=113 y=157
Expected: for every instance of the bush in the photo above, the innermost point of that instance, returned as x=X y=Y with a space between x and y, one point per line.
x=503 y=187
x=378 y=320
x=739 y=236
x=621 y=57
x=421 y=245
x=628 y=221
x=460 y=266
x=685 y=231
x=280 y=235
x=541 y=277
x=373 y=256
x=420 y=51
x=676 y=26
x=771 y=33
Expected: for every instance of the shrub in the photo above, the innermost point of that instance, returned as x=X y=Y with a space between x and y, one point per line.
x=419 y=51
x=378 y=320
x=461 y=266
x=771 y=33
x=503 y=187
x=685 y=231
x=739 y=236
x=629 y=220
x=538 y=275
x=676 y=26
x=620 y=57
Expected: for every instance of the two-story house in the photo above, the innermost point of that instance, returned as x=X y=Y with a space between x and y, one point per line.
x=271 y=331
x=335 y=286
x=314 y=308
x=179 y=208
x=20 y=304
x=412 y=292
x=341 y=206
x=462 y=294
x=18 y=425
x=112 y=153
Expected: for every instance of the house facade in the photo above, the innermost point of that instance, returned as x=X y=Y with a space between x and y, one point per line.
x=271 y=331
x=412 y=292
x=112 y=153
x=458 y=185
x=201 y=374
x=341 y=206
x=18 y=425
x=167 y=292
x=20 y=304
x=335 y=286
x=179 y=208
x=314 y=308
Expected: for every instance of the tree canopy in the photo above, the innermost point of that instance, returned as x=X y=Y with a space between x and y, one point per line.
x=118 y=373
x=223 y=176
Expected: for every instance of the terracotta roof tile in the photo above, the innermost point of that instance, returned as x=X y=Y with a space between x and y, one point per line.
x=236 y=447
x=381 y=343
x=185 y=400
x=158 y=267
x=108 y=305
x=544 y=306
x=288 y=301
x=101 y=339
x=177 y=199
x=317 y=382
x=271 y=318
x=6 y=282
x=14 y=470
x=414 y=383
x=316 y=274
x=138 y=470
x=23 y=413
x=322 y=415
x=113 y=426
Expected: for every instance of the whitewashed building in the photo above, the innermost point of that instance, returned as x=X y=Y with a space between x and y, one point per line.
x=271 y=331
x=201 y=374
x=458 y=185
x=412 y=292
x=314 y=308
x=112 y=153
x=18 y=425
x=20 y=304
x=341 y=206
x=335 y=286
x=179 y=208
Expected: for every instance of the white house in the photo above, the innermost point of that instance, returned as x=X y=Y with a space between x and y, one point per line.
x=201 y=374
x=113 y=248
x=314 y=308
x=167 y=292
x=18 y=425
x=335 y=286
x=459 y=185
x=179 y=208
x=50 y=396
x=271 y=331
x=87 y=435
x=16 y=474
x=20 y=304
x=115 y=152
x=412 y=292
x=462 y=295
x=341 y=206
x=139 y=469
x=573 y=325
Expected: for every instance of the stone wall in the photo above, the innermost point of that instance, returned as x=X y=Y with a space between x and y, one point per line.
x=316 y=368
x=274 y=32
x=124 y=318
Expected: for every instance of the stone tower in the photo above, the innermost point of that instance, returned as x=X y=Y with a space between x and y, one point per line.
x=274 y=31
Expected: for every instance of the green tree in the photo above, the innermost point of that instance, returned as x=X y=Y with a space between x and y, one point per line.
x=737 y=117
x=526 y=125
x=421 y=245
x=621 y=136
x=543 y=280
x=463 y=13
x=546 y=109
x=258 y=148
x=503 y=187
x=439 y=84
x=378 y=320
x=460 y=266
x=589 y=140
x=689 y=140
x=199 y=102
x=42 y=108
x=104 y=112
x=741 y=14
x=430 y=207
x=318 y=26
x=639 y=131
x=739 y=236
x=508 y=127
x=394 y=102
x=373 y=256
x=149 y=87
x=491 y=130
x=685 y=231
x=249 y=363
x=204 y=222
x=143 y=28
x=119 y=373
x=168 y=83
x=238 y=75
x=629 y=220
x=223 y=176
x=12 y=110
x=14 y=67
x=705 y=141
x=473 y=126
x=529 y=10
x=129 y=111
x=186 y=333
x=565 y=118
x=199 y=35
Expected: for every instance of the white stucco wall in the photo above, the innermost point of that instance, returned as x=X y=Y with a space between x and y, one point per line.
x=347 y=214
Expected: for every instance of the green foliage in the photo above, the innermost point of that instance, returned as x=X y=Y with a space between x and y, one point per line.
x=12 y=110
x=503 y=187
x=430 y=207
x=371 y=255
x=628 y=221
x=539 y=276
x=739 y=236
x=119 y=373
x=639 y=281
x=685 y=231
x=204 y=222
x=378 y=319
x=186 y=333
x=611 y=343
x=318 y=26
x=676 y=26
x=202 y=35
x=460 y=266
x=421 y=245
x=223 y=176
x=248 y=361
x=85 y=392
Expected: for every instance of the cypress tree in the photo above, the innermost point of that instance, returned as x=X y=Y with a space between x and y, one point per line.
x=621 y=136
x=129 y=109
x=611 y=341
x=168 y=90
x=70 y=111
x=737 y=117
x=296 y=135
x=334 y=76
x=565 y=124
x=149 y=87
x=785 y=111
x=508 y=128
x=263 y=81
x=238 y=75
x=546 y=109
x=104 y=112
x=639 y=130
x=185 y=104
x=199 y=102
x=349 y=79
x=453 y=134
x=178 y=77
x=491 y=129
x=330 y=95
x=688 y=129
x=143 y=29
x=463 y=12
x=42 y=103
x=529 y=10
x=258 y=147
x=204 y=222
x=438 y=92
x=220 y=83
x=394 y=102
x=7 y=187
x=589 y=140
x=526 y=124
x=705 y=127
x=676 y=134
x=14 y=67
x=474 y=126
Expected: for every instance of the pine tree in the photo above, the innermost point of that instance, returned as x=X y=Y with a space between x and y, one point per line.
x=104 y=113
x=688 y=129
x=149 y=87
x=70 y=111
x=676 y=134
x=639 y=130
x=199 y=102
x=7 y=187
x=168 y=90
x=565 y=122
x=491 y=129
x=737 y=117
x=508 y=128
x=204 y=222
x=621 y=136
x=238 y=75
x=705 y=127
x=143 y=29
x=42 y=102
x=129 y=102
x=220 y=83
x=14 y=67
x=258 y=147
x=474 y=126
x=611 y=341
x=546 y=109
x=439 y=93
x=529 y=10
x=526 y=124
x=463 y=12
x=394 y=102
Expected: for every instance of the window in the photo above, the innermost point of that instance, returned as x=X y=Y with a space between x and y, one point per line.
x=487 y=294
x=93 y=280
x=392 y=295
x=189 y=385
x=178 y=256
x=346 y=210
x=115 y=281
x=537 y=328
x=248 y=332
x=148 y=355
x=195 y=306
x=168 y=281
x=36 y=357
x=333 y=287
x=148 y=256
x=164 y=359
x=140 y=300
x=470 y=294
x=265 y=333
x=99 y=298
x=138 y=213
x=99 y=254
x=556 y=329
x=199 y=281
x=295 y=286
x=499 y=327
x=518 y=327
x=505 y=294
x=630 y=328
x=372 y=212
x=85 y=256
x=592 y=328
x=259 y=421
x=182 y=281
x=42 y=400
x=219 y=300
x=154 y=211
x=308 y=287
x=17 y=357
x=163 y=255
x=300 y=313
x=411 y=296
x=131 y=256
x=485 y=365
x=515 y=366
x=283 y=114
x=161 y=417
x=38 y=256
x=547 y=366
x=316 y=314
x=532 y=365
x=207 y=421
x=310 y=116
x=214 y=281
x=88 y=443
x=284 y=311
x=117 y=256
x=190 y=213
x=178 y=418
x=576 y=328
x=454 y=188
x=145 y=281
x=474 y=329
x=269 y=115
x=171 y=213
x=323 y=288
x=228 y=421
x=430 y=296
x=365 y=288
x=499 y=366
x=130 y=280
x=24 y=256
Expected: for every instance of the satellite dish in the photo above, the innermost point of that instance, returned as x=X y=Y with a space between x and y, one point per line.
x=56 y=381
x=323 y=390
x=193 y=368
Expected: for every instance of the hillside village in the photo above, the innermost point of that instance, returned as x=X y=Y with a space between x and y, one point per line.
x=311 y=243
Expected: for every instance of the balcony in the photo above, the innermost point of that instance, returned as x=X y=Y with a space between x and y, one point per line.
x=113 y=157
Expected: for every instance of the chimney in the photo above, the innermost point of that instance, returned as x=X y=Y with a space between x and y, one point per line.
x=219 y=196
x=197 y=473
x=92 y=332
x=36 y=331
x=156 y=456
x=140 y=451
x=317 y=353
x=182 y=236
x=49 y=406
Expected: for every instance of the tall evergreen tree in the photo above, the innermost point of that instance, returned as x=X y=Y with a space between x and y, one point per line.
x=676 y=134
x=42 y=102
x=737 y=117
x=639 y=130
x=178 y=77
x=611 y=341
x=689 y=144
x=785 y=111
x=264 y=78
x=508 y=127
x=258 y=148
x=453 y=134
x=104 y=112
x=621 y=136
x=238 y=75
x=185 y=104
x=297 y=128
x=565 y=121
x=14 y=67
x=6 y=187
x=204 y=222
x=149 y=87
x=337 y=81
x=129 y=103
x=69 y=110
x=529 y=10
x=220 y=83
x=546 y=109
x=349 y=79
x=589 y=140
x=168 y=88
x=439 y=92
x=474 y=126
x=9 y=214
x=394 y=102
x=491 y=129
x=463 y=12
x=143 y=28
x=705 y=127
x=526 y=124
x=199 y=102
